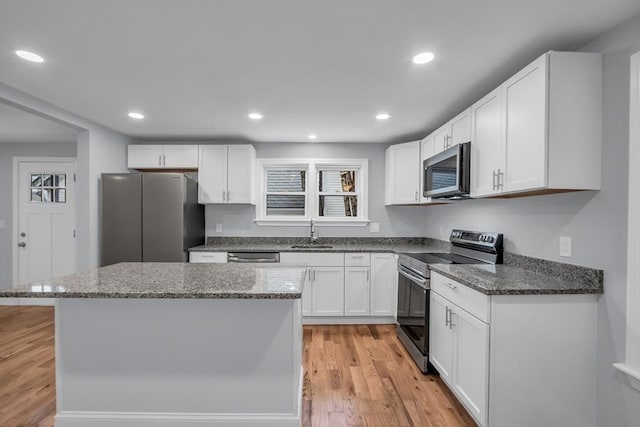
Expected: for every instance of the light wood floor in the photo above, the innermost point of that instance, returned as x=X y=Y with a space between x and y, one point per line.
x=354 y=376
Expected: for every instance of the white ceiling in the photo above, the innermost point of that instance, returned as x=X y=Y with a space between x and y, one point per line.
x=20 y=126
x=197 y=68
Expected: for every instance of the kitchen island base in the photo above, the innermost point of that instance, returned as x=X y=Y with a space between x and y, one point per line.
x=178 y=362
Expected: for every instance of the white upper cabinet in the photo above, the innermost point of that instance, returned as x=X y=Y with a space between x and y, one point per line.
x=540 y=131
x=226 y=174
x=487 y=147
x=142 y=157
x=441 y=138
x=455 y=131
x=427 y=149
x=460 y=128
x=403 y=170
x=180 y=156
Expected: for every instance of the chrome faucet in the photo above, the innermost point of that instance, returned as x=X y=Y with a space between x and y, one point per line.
x=312 y=237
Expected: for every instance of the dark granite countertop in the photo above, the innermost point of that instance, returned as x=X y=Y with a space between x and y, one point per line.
x=509 y=280
x=519 y=275
x=283 y=244
x=172 y=280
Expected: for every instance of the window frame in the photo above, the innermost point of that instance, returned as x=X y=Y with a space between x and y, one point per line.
x=312 y=193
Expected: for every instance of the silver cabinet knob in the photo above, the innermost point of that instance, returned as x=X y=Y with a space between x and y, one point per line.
x=22 y=244
x=23 y=234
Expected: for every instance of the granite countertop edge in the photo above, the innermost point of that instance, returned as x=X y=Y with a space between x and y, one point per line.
x=148 y=295
x=494 y=283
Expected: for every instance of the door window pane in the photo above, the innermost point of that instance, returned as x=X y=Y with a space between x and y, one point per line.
x=61 y=195
x=48 y=188
x=36 y=195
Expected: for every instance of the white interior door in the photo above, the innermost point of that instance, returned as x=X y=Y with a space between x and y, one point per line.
x=46 y=220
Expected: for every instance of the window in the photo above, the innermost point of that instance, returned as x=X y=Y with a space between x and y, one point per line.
x=294 y=191
x=286 y=192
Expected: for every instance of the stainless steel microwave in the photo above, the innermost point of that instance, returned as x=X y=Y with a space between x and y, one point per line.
x=447 y=174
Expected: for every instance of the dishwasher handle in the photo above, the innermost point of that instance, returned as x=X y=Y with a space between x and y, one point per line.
x=261 y=257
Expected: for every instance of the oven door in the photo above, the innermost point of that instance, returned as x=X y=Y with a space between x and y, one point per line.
x=413 y=308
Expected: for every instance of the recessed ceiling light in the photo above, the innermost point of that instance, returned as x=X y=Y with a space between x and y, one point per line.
x=29 y=56
x=136 y=115
x=312 y=136
x=382 y=116
x=423 y=58
x=255 y=116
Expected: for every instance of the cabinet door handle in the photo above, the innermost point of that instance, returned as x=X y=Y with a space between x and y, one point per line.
x=228 y=196
x=159 y=160
x=314 y=274
x=367 y=275
x=500 y=179
x=494 y=186
x=450 y=285
x=224 y=196
x=451 y=325
x=164 y=160
x=446 y=316
x=416 y=196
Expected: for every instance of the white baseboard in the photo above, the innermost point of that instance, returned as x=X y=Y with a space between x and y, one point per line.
x=353 y=320
x=27 y=301
x=157 y=419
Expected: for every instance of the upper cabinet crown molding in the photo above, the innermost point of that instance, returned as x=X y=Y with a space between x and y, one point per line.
x=153 y=157
x=540 y=131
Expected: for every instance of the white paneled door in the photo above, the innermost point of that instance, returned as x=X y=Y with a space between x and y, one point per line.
x=46 y=220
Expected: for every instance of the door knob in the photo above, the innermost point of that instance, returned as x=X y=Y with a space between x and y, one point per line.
x=22 y=244
x=23 y=234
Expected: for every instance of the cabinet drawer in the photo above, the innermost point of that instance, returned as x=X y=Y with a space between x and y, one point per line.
x=466 y=298
x=357 y=259
x=313 y=259
x=210 y=257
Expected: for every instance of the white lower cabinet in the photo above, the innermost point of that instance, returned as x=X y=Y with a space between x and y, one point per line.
x=356 y=291
x=440 y=337
x=470 y=362
x=343 y=287
x=515 y=360
x=384 y=284
x=327 y=291
x=459 y=350
x=208 y=257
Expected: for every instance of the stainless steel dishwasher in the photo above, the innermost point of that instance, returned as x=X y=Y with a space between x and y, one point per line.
x=253 y=257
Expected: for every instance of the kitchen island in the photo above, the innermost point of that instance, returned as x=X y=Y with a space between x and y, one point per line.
x=175 y=344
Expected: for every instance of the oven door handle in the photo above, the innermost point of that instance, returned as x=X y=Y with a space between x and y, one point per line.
x=418 y=280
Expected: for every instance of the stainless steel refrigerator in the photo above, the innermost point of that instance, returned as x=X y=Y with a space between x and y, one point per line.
x=149 y=217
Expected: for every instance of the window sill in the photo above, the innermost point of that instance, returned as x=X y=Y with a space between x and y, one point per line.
x=633 y=375
x=317 y=222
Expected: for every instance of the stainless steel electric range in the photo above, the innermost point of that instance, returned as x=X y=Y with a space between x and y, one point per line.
x=467 y=247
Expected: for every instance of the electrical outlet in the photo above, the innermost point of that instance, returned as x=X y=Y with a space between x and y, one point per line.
x=565 y=246
x=3 y=224
x=374 y=227
x=218 y=228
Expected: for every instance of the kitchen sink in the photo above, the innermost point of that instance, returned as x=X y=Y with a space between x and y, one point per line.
x=311 y=246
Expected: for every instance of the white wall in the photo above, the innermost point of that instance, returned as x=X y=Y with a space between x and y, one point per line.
x=597 y=221
x=408 y=221
x=98 y=150
x=7 y=153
